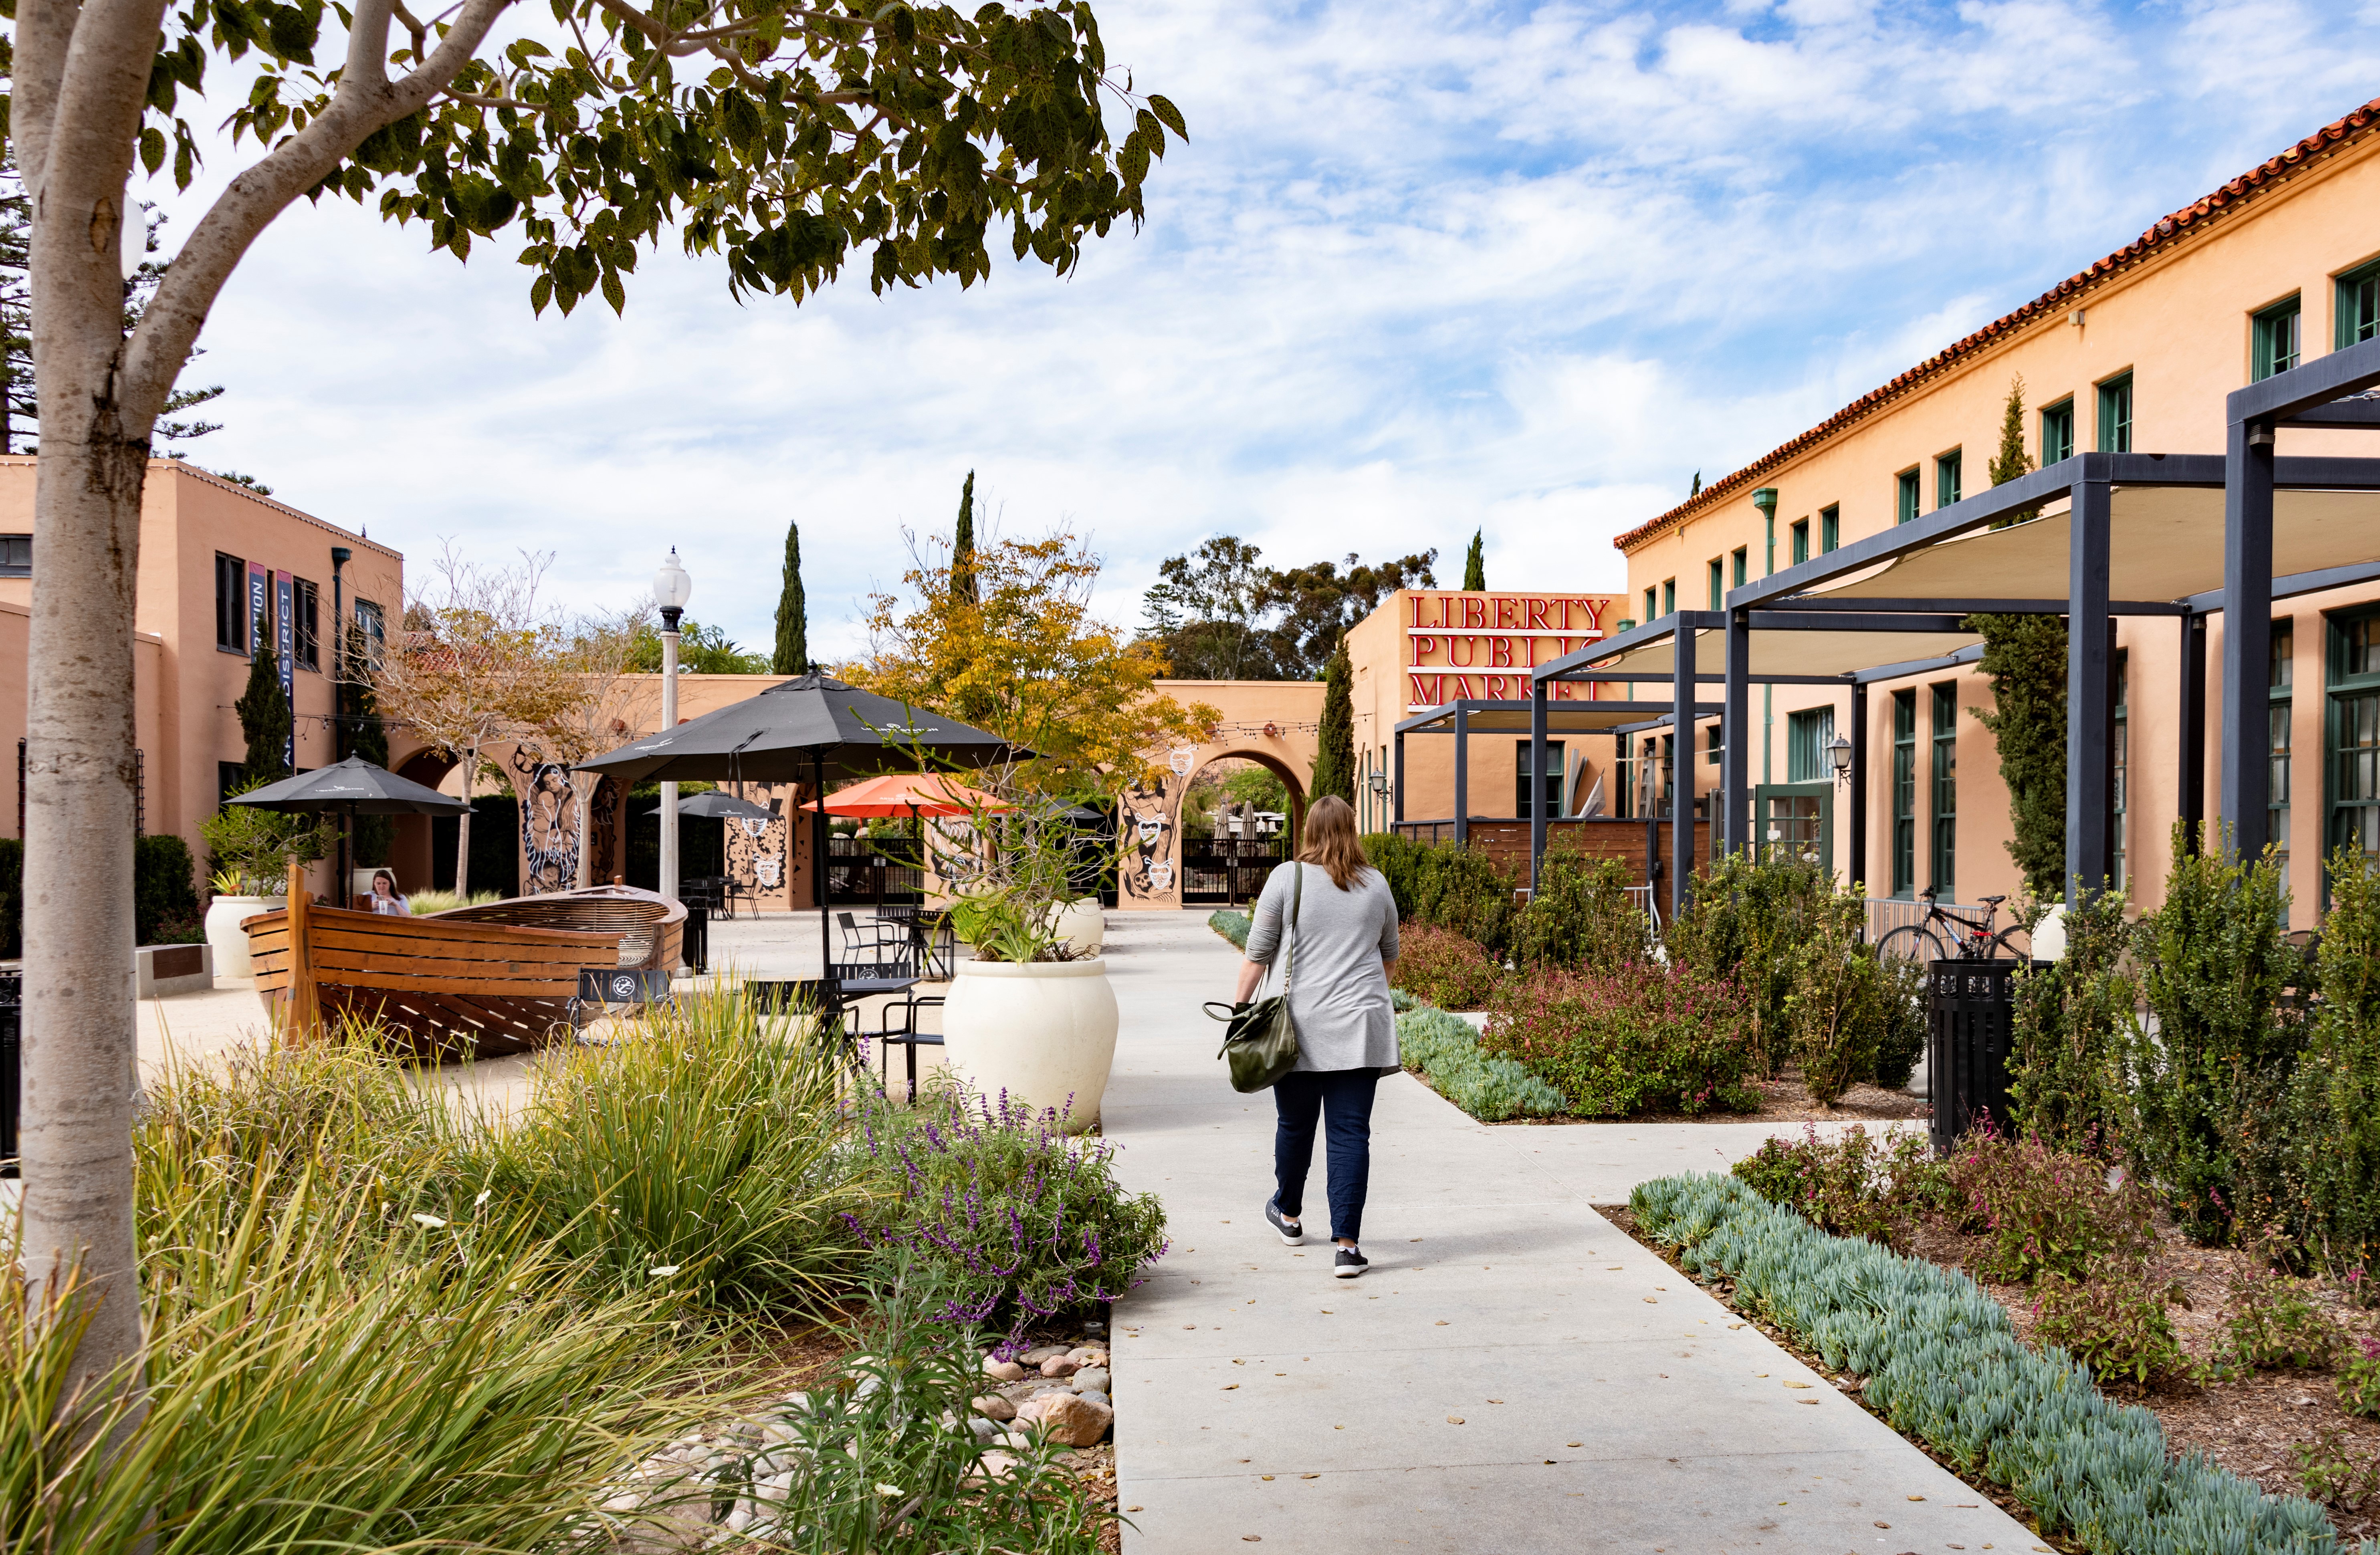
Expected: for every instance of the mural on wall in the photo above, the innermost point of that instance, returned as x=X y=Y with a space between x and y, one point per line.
x=549 y=822
x=756 y=848
x=603 y=823
x=1147 y=876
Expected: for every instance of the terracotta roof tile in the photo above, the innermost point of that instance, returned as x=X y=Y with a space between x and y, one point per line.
x=2059 y=299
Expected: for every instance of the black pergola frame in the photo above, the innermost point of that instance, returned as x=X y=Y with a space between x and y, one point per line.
x=2322 y=393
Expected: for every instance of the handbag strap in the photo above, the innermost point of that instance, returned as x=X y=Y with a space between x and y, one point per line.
x=1296 y=900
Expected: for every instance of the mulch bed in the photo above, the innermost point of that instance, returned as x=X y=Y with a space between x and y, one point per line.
x=2250 y=1426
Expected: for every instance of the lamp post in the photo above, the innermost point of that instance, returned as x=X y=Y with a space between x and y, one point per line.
x=672 y=589
x=343 y=888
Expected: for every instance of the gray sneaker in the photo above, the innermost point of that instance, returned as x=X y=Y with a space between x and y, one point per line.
x=1292 y=1233
x=1349 y=1263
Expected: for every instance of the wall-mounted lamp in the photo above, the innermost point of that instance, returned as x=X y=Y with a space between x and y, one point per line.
x=1379 y=784
x=1841 y=751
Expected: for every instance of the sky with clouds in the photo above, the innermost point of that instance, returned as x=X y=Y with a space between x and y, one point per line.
x=1423 y=267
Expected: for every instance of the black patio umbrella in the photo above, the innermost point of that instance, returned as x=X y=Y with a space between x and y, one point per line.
x=717 y=803
x=812 y=729
x=351 y=787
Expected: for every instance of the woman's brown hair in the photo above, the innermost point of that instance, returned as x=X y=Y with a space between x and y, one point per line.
x=1330 y=842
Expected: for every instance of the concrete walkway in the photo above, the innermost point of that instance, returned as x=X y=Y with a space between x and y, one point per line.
x=1512 y=1375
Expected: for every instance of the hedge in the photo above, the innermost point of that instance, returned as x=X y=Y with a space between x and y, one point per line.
x=1944 y=1366
x=1232 y=926
x=1446 y=1049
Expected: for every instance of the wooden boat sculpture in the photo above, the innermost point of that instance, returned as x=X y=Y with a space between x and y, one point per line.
x=492 y=979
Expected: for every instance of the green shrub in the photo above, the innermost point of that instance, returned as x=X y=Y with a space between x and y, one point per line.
x=1745 y=920
x=1836 y=1015
x=2218 y=1068
x=1900 y=1040
x=1875 y=1187
x=2359 y=1380
x=703 y=1144
x=1580 y=915
x=1019 y=1220
x=1401 y=861
x=1443 y=968
x=2114 y=1322
x=2269 y=1323
x=1445 y=1050
x=1944 y=1364
x=1639 y=1040
x=2071 y=1029
x=1460 y=890
x=1232 y=926
x=165 y=892
x=2336 y=1093
x=2046 y=1211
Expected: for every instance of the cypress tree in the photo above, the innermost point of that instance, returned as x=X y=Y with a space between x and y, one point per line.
x=962 y=547
x=1475 y=565
x=2012 y=460
x=2025 y=657
x=1334 y=763
x=793 y=655
x=1696 y=489
x=363 y=733
x=265 y=717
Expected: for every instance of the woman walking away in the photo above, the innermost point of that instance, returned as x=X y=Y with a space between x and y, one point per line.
x=1345 y=940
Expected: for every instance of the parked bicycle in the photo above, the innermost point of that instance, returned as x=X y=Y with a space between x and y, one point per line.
x=1949 y=936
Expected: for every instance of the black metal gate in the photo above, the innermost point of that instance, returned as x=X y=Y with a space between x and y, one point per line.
x=1226 y=871
x=1970 y=1007
x=860 y=870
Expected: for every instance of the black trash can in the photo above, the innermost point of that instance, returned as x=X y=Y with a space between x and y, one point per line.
x=12 y=1046
x=1971 y=1010
x=696 y=947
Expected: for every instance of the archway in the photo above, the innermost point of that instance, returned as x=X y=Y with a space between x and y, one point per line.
x=1164 y=868
x=1227 y=867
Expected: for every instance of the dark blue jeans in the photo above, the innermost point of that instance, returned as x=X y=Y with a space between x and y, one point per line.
x=1342 y=1099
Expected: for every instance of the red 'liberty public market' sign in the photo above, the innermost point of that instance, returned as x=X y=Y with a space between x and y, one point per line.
x=1484 y=645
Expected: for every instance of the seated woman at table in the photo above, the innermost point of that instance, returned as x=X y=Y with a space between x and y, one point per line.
x=384 y=898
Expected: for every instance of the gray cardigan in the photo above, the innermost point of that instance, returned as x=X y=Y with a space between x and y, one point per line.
x=1339 y=988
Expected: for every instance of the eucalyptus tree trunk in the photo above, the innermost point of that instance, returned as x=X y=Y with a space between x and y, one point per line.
x=79 y=82
x=463 y=829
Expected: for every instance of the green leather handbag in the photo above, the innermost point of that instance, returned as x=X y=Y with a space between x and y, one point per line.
x=1260 y=1041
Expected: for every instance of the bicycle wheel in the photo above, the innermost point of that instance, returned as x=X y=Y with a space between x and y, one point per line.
x=2014 y=943
x=1914 y=941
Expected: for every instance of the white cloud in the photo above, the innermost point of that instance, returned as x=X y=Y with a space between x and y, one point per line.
x=1423 y=267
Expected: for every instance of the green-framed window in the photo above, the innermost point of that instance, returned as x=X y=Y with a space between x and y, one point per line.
x=1552 y=774
x=1718 y=583
x=1904 y=793
x=1947 y=472
x=1802 y=541
x=1944 y=865
x=2354 y=733
x=2056 y=432
x=1904 y=497
x=2281 y=679
x=1808 y=735
x=1652 y=604
x=2359 y=305
x=1830 y=529
x=1668 y=596
x=2116 y=415
x=2272 y=340
x=1742 y=566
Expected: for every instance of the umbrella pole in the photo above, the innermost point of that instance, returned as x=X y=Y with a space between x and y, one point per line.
x=817 y=863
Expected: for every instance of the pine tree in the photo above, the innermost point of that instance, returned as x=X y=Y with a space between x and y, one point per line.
x=793 y=655
x=1334 y=763
x=265 y=717
x=1475 y=565
x=962 y=547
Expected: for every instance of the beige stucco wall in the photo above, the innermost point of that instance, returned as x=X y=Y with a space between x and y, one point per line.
x=1275 y=722
x=2178 y=320
x=184 y=684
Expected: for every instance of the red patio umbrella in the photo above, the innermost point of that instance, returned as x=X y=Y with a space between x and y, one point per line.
x=897 y=795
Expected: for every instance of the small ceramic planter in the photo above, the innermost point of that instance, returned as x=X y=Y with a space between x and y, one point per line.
x=224 y=915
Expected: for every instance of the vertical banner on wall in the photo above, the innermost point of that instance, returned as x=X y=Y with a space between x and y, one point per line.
x=284 y=650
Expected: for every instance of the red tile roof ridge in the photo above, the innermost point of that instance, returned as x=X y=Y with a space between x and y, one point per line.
x=2159 y=234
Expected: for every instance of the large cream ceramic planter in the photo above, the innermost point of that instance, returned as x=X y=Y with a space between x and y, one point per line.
x=1083 y=925
x=224 y=915
x=1043 y=1031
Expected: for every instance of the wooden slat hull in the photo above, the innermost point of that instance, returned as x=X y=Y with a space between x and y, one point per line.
x=441 y=984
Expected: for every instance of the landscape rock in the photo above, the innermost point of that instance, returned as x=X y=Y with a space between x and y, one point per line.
x=1060 y=1366
x=1068 y=1418
x=995 y=1407
x=985 y=1429
x=1007 y=1371
x=1088 y=1354
x=1097 y=1396
x=1091 y=1380
x=1040 y=1352
x=992 y=1466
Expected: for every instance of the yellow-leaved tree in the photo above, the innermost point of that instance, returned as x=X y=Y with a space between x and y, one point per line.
x=1020 y=653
